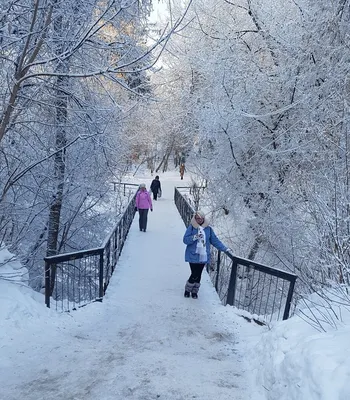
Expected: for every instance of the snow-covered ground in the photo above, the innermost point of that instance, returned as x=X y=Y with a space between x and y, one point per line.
x=146 y=341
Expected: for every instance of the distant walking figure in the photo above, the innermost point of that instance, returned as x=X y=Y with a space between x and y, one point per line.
x=182 y=170
x=198 y=238
x=143 y=204
x=156 y=187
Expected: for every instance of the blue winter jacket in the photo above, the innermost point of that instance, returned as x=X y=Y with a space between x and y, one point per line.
x=190 y=253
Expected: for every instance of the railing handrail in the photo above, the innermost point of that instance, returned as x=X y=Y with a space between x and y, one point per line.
x=74 y=254
x=239 y=261
x=264 y=268
x=124 y=184
x=95 y=250
x=190 y=187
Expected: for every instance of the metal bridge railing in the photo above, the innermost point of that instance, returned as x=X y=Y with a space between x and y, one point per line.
x=82 y=277
x=126 y=186
x=261 y=290
x=192 y=194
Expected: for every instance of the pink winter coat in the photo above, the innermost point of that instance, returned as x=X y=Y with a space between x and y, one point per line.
x=143 y=200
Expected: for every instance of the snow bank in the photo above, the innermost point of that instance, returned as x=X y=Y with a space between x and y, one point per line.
x=20 y=304
x=11 y=270
x=296 y=362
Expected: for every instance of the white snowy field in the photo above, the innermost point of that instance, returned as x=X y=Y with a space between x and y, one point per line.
x=146 y=341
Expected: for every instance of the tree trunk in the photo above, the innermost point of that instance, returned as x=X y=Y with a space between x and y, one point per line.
x=165 y=158
x=59 y=168
x=61 y=112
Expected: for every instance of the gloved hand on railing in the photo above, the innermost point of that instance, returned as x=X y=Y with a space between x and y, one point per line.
x=228 y=250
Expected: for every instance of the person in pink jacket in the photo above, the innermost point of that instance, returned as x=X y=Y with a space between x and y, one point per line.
x=143 y=204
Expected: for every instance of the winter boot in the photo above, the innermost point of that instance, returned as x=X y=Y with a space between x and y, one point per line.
x=195 y=290
x=188 y=288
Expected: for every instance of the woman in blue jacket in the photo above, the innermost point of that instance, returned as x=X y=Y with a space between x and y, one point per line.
x=198 y=238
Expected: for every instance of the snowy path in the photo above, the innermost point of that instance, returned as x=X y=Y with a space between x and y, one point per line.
x=145 y=341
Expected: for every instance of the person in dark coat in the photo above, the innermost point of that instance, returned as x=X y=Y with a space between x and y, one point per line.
x=198 y=238
x=156 y=187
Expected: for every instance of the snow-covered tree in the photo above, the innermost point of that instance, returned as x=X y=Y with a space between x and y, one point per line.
x=269 y=109
x=70 y=74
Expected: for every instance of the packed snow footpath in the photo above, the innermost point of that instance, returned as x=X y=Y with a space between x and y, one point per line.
x=146 y=341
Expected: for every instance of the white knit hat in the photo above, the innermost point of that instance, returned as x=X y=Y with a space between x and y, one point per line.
x=142 y=185
x=200 y=213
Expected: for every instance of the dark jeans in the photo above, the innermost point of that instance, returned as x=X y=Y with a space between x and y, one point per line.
x=143 y=219
x=196 y=272
x=155 y=194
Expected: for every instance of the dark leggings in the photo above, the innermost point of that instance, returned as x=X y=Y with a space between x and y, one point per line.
x=143 y=218
x=155 y=195
x=196 y=272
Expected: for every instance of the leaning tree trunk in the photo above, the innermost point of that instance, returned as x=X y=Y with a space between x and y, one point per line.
x=165 y=158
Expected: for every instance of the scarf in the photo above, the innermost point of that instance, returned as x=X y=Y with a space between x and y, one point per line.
x=201 y=247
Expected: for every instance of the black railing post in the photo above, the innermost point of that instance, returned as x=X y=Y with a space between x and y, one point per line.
x=289 y=298
x=217 y=271
x=231 y=291
x=100 y=277
x=120 y=238
x=47 y=284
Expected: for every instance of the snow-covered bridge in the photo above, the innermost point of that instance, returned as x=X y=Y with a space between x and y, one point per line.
x=145 y=341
